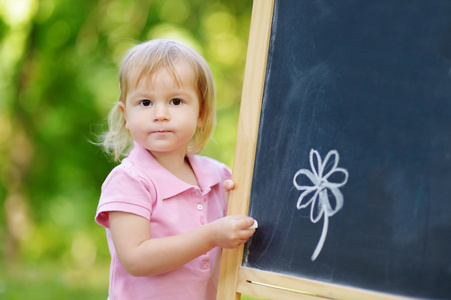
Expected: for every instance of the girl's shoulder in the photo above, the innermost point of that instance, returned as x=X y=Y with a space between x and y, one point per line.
x=126 y=189
x=126 y=172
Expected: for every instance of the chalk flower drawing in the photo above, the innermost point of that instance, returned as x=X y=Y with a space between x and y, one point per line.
x=318 y=194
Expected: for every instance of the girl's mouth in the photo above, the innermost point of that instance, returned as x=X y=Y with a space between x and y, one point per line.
x=160 y=132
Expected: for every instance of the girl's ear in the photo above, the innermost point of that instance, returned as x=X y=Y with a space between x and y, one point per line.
x=122 y=108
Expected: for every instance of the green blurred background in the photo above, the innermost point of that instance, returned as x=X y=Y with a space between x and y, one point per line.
x=58 y=79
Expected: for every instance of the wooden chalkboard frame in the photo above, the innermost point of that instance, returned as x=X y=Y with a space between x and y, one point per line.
x=235 y=279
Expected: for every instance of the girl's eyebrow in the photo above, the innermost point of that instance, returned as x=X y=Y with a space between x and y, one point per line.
x=140 y=94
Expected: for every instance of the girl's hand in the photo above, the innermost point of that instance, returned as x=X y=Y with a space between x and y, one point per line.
x=141 y=255
x=231 y=231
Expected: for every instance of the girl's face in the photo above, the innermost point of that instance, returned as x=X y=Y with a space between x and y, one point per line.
x=161 y=115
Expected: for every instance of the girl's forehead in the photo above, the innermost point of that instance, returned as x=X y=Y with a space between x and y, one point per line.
x=181 y=73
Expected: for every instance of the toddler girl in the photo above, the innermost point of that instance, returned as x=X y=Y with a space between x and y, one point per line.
x=163 y=207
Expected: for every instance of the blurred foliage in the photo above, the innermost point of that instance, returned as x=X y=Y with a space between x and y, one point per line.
x=58 y=79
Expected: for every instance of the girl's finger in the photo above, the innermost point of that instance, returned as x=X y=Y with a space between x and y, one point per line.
x=228 y=185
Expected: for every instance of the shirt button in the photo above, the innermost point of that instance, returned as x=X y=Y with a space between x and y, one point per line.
x=200 y=207
x=202 y=220
x=205 y=265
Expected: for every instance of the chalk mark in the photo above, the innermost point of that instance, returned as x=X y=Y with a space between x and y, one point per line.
x=321 y=205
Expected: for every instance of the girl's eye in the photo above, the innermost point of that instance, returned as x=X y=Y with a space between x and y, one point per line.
x=176 y=101
x=145 y=102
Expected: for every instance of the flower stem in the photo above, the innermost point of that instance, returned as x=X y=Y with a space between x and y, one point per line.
x=322 y=238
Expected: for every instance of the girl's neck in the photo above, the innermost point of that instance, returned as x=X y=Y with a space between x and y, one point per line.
x=178 y=164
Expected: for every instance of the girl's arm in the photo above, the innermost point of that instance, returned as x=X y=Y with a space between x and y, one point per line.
x=141 y=255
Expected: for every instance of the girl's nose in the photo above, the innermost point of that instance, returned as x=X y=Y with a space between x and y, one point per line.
x=161 y=113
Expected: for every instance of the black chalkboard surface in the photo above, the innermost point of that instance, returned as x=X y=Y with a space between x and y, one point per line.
x=352 y=176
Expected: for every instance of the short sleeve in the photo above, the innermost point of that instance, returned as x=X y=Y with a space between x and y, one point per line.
x=125 y=190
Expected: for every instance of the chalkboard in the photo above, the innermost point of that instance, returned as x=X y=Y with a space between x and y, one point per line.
x=353 y=159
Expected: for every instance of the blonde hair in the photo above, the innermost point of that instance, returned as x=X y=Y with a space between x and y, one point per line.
x=146 y=59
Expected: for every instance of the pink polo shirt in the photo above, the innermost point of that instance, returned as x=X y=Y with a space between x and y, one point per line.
x=141 y=186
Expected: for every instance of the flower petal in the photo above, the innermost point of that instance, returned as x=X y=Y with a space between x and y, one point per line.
x=316 y=169
x=301 y=198
x=309 y=175
x=338 y=184
x=333 y=154
x=318 y=207
x=338 y=202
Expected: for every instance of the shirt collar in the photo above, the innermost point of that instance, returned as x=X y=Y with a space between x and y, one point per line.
x=166 y=183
